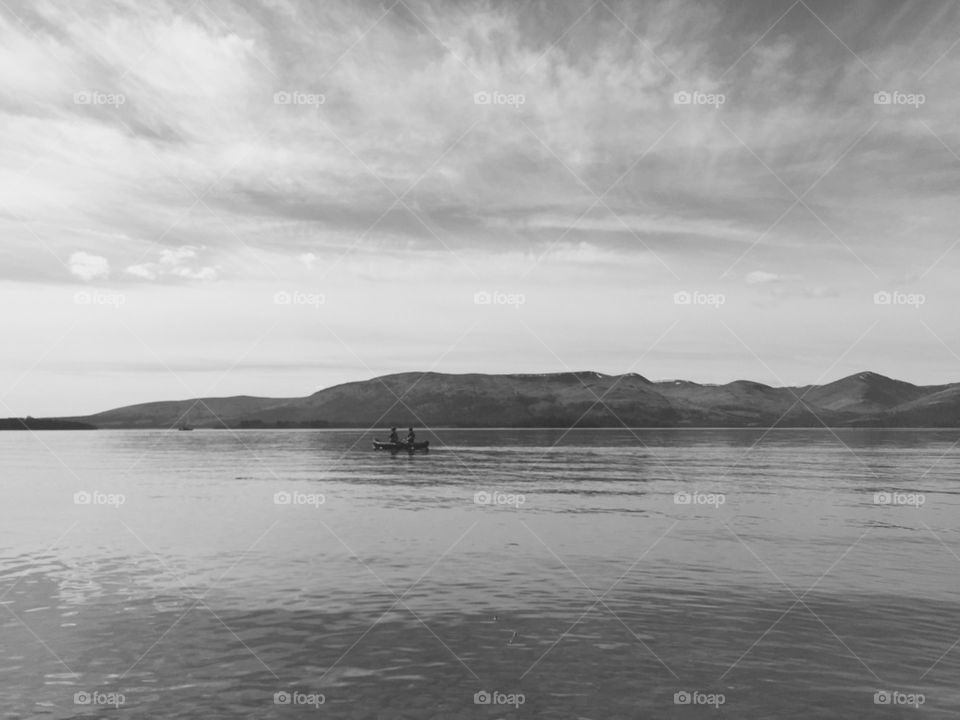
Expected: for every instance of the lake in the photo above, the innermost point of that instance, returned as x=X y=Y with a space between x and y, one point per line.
x=508 y=573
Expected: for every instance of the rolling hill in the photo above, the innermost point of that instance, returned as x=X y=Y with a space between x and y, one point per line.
x=583 y=399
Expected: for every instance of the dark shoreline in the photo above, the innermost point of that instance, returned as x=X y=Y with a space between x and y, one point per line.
x=43 y=424
x=35 y=425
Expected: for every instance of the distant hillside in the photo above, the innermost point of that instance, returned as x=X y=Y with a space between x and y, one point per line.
x=200 y=412
x=866 y=392
x=560 y=400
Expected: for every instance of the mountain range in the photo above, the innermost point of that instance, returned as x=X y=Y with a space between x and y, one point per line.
x=865 y=399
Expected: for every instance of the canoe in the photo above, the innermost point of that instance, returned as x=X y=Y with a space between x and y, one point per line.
x=397 y=447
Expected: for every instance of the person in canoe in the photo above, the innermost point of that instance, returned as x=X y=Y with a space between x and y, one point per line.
x=411 y=437
x=394 y=437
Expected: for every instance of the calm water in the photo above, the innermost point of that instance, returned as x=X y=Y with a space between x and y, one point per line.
x=386 y=588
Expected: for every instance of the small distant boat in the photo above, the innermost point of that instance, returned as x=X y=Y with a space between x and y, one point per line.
x=184 y=427
x=397 y=447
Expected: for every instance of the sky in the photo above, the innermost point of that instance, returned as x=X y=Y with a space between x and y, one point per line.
x=216 y=198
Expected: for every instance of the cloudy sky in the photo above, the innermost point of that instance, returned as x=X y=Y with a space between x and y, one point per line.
x=218 y=198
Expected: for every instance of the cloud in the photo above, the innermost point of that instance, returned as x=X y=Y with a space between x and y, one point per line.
x=89 y=267
x=399 y=117
x=204 y=273
x=145 y=271
x=760 y=277
x=174 y=262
